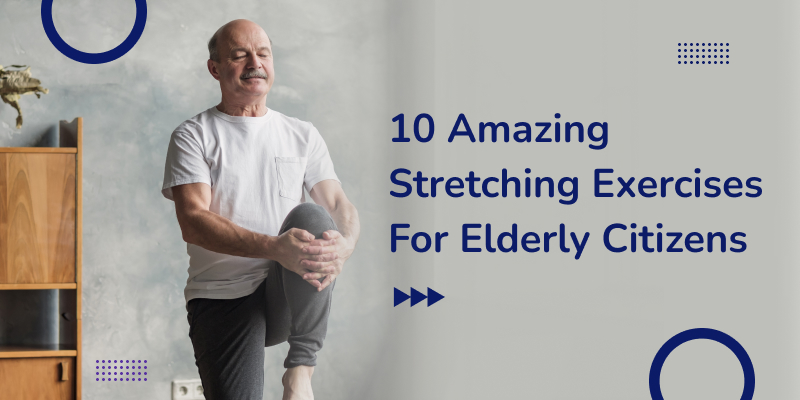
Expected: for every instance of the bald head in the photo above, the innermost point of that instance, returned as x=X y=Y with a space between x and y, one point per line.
x=240 y=58
x=224 y=33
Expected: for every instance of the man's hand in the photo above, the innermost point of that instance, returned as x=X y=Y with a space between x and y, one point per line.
x=293 y=254
x=332 y=243
x=329 y=194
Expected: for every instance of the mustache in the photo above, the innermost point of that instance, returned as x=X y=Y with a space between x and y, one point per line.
x=254 y=74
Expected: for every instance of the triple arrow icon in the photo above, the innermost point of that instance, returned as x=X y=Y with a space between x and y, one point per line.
x=416 y=297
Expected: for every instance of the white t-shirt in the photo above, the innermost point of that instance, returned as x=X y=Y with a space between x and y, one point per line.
x=256 y=167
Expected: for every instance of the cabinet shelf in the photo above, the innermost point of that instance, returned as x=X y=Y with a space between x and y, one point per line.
x=58 y=150
x=54 y=350
x=35 y=286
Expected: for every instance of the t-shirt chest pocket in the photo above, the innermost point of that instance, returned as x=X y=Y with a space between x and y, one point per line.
x=291 y=172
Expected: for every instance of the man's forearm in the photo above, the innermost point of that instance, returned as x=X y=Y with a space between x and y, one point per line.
x=346 y=218
x=219 y=234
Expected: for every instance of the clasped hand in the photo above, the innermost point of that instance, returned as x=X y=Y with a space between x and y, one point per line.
x=313 y=259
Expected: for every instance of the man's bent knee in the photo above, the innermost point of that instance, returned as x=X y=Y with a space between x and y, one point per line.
x=309 y=217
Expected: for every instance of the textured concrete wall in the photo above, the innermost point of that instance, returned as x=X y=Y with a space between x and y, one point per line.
x=331 y=59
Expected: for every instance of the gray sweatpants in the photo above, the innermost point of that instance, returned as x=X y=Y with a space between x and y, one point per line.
x=229 y=336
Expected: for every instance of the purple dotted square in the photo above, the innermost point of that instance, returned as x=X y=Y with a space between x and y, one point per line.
x=101 y=367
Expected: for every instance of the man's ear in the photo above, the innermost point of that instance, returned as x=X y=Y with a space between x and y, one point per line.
x=212 y=68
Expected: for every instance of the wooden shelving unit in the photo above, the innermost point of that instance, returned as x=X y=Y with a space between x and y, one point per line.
x=40 y=268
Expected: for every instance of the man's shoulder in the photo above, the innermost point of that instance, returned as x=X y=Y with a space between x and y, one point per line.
x=291 y=127
x=292 y=123
x=195 y=123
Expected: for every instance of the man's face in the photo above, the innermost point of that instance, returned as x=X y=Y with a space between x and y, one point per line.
x=245 y=70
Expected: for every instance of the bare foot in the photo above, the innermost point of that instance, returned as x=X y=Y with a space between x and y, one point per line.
x=297 y=383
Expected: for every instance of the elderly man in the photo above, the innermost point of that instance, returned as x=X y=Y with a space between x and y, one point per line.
x=262 y=261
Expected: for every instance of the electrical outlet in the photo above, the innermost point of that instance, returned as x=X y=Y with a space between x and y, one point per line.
x=190 y=389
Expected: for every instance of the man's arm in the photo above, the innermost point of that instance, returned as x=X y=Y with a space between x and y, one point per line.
x=213 y=232
x=329 y=195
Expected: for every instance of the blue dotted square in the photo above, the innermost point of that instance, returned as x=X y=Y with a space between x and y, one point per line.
x=703 y=46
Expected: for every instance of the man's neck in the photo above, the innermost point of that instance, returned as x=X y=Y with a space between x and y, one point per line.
x=243 y=110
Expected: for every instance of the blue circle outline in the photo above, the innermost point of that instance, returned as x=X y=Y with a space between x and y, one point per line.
x=702 y=333
x=94 y=58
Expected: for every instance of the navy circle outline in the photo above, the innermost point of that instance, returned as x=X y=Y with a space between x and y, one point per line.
x=94 y=58
x=702 y=333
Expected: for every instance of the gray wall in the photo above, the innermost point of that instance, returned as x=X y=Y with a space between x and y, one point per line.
x=330 y=65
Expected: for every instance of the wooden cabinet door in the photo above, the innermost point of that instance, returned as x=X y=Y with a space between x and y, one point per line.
x=37 y=218
x=37 y=378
